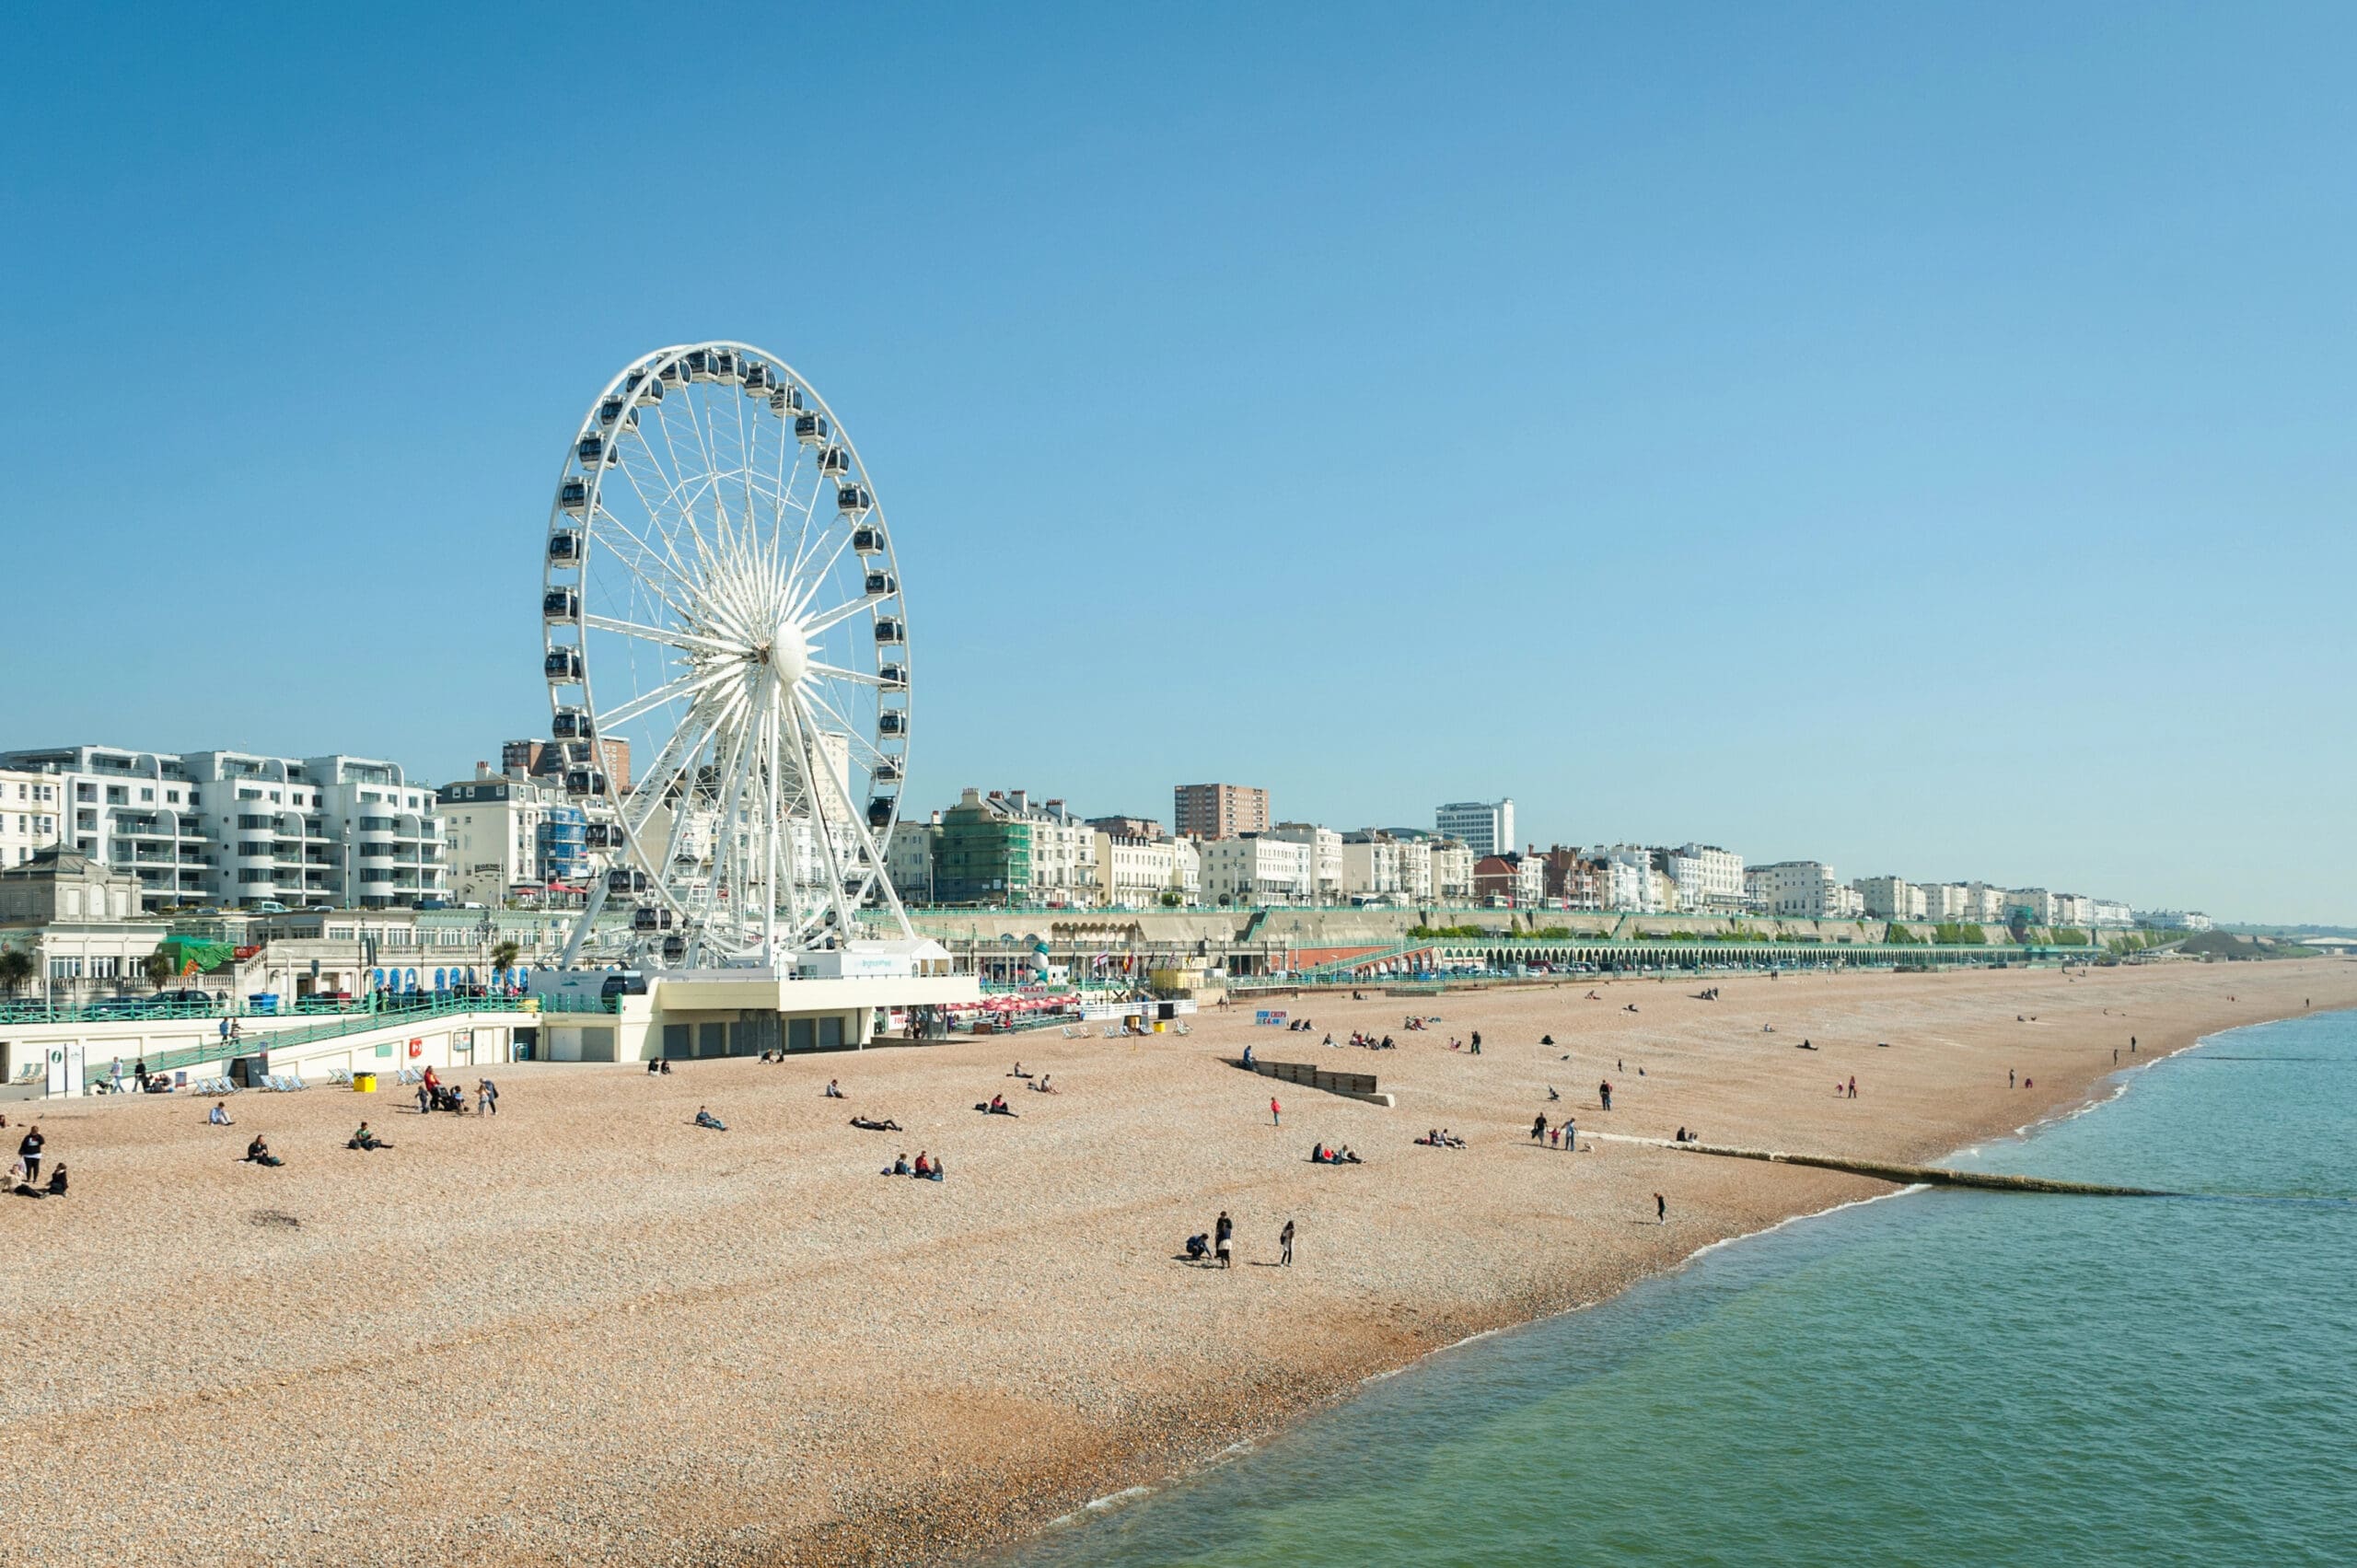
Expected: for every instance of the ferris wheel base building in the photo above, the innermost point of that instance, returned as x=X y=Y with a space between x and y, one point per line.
x=837 y=1000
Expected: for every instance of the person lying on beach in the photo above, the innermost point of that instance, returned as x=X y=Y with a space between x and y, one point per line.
x=706 y=1118
x=869 y=1125
x=220 y=1115
x=1594 y=997
x=258 y=1152
x=365 y=1139
x=834 y=1090
x=1804 y=1045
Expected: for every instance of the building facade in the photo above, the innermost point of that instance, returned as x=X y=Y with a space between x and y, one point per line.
x=1801 y=889
x=1218 y=811
x=27 y=815
x=1326 y=857
x=512 y=836
x=1484 y=827
x=242 y=828
x=1254 y=869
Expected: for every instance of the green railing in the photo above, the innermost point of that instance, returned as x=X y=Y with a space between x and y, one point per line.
x=243 y=1042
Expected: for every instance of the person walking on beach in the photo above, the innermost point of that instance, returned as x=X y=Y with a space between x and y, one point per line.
x=1285 y=1247
x=1661 y=1209
x=486 y=1098
x=1224 y=1239
x=1854 y=1085
x=1538 y=1127
x=1571 y=1131
x=1276 y=1112
x=1604 y=1093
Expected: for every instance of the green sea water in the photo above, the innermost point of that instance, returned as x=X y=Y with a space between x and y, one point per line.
x=1937 y=1378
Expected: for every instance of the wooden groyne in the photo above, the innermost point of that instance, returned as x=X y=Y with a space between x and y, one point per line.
x=1350 y=1085
x=1924 y=1175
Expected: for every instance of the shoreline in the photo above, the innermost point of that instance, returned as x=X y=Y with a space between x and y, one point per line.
x=1091 y=1512
x=589 y=1332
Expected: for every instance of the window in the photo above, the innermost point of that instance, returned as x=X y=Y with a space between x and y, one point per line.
x=65 y=968
x=250 y=795
x=147 y=794
x=172 y=797
x=117 y=795
x=86 y=792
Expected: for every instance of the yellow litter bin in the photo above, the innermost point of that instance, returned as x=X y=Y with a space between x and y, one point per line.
x=1158 y=1026
x=364 y=1083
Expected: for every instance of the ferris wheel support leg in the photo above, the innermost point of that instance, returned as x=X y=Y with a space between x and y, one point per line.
x=883 y=878
x=581 y=928
x=809 y=754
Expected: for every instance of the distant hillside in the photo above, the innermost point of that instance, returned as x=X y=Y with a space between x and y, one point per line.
x=2227 y=945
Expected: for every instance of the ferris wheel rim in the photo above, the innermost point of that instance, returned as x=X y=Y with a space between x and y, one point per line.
x=638 y=385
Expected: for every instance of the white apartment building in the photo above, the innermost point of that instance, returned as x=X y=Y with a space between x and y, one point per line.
x=509 y=836
x=2073 y=910
x=1944 y=901
x=1626 y=880
x=1984 y=902
x=1714 y=881
x=1622 y=883
x=1257 y=869
x=1452 y=870
x=1379 y=864
x=2112 y=911
x=1326 y=851
x=2174 y=920
x=908 y=859
x=1802 y=889
x=1371 y=865
x=1886 y=898
x=234 y=826
x=1064 y=851
x=29 y=815
x=2035 y=904
x=1484 y=827
x=1137 y=871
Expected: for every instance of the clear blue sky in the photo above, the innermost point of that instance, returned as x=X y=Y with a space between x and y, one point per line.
x=1917 y=438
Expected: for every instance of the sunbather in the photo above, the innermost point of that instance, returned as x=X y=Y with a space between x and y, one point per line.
x=870 y=1124
x=706 y=1118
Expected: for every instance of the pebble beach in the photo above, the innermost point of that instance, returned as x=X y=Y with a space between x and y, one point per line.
x=590 y=1332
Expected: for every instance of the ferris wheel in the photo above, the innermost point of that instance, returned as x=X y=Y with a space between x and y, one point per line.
x=721 y=595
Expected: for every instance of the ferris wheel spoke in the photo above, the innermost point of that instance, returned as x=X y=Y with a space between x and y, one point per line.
x=837 y=672
x=669 y=637
x=820 y=622
x=822 y=829
x=686 y=685
x=850 y=731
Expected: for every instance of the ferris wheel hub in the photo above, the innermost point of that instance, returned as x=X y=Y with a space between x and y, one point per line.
x=790 y=652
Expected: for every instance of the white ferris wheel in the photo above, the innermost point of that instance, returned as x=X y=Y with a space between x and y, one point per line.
x=721 y=593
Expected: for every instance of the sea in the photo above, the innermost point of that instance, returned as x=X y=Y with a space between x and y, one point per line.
x=1938 y=1376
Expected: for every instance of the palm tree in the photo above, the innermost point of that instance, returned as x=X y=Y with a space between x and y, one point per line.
x=17 y=967
x=503 y=956
x=160 y=968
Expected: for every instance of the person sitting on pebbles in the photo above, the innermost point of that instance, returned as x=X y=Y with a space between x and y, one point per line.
x=705 y=1118
x=365 y=1139
x=834 y=1089
x=258 y=1152
x=220 y=1115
